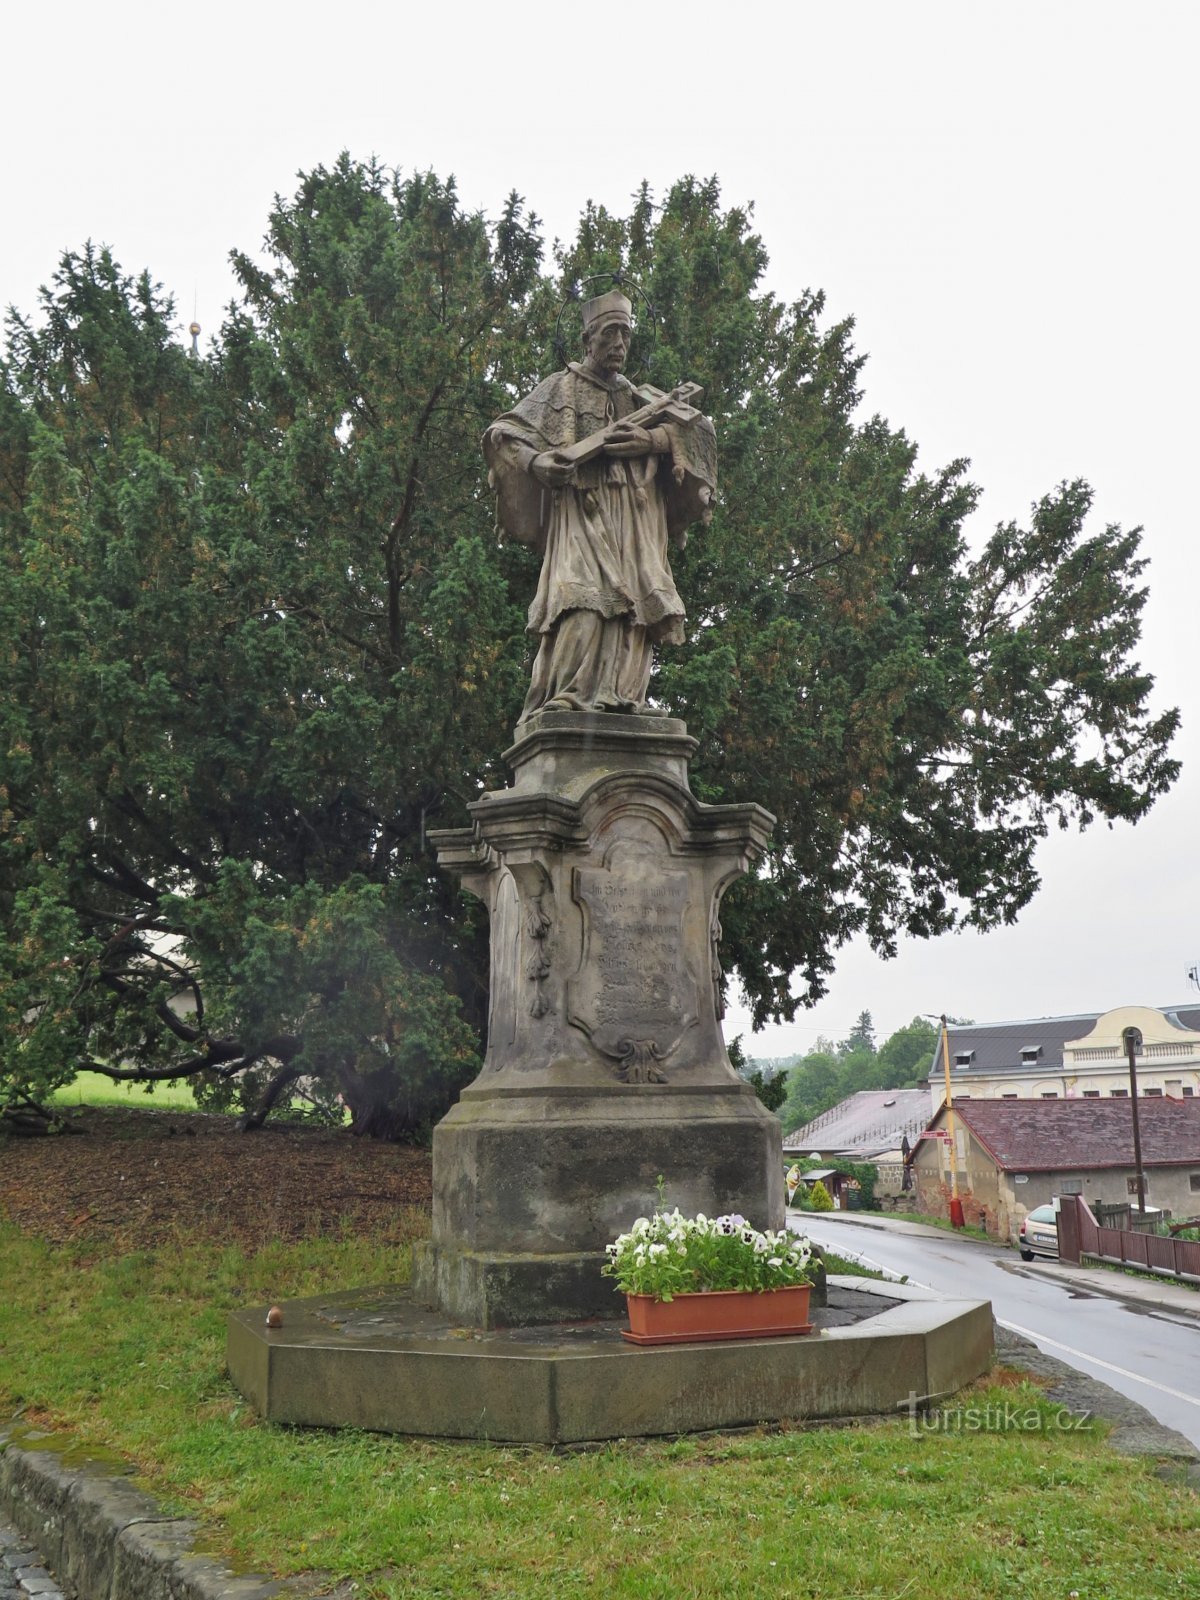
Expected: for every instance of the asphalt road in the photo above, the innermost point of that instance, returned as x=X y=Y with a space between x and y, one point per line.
x=1148 y=1353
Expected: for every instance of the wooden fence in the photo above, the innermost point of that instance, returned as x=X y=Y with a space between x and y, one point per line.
x=1079 y=1235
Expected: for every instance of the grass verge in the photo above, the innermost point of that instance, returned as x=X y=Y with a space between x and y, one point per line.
x=127 y=1350
x=849 y=1269
x=941 y=1222
x=1145 y=1276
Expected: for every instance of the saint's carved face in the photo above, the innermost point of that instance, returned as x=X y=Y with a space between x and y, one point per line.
x=608 y=347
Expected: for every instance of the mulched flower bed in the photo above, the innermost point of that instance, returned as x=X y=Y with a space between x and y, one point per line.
x=133 y=1179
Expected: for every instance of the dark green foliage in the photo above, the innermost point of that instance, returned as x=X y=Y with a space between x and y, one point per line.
x=259 y=644
x=769 y=1087
x=861 y=1037
x=771 y=1091
x=906 y=1056
x=259 y=638
x=826 y=1076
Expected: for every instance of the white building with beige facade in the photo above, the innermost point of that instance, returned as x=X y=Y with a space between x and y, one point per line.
x=1076 y=1057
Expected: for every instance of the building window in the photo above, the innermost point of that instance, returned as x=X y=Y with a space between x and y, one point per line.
x=1071 y=1186
x=1194 y=1182
x=1188 y=1091
x=1153 y=1093
x=1119 y=1094
x=962 y=1096
x=1030 y=1053
x=1091 y=1094
x=963 y=1058
x=1131 y=1186
x=1010 y=1097
x=1049 y=1094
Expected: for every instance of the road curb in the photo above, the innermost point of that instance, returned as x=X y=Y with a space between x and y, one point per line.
x=878 y=1221
x=103 y=1538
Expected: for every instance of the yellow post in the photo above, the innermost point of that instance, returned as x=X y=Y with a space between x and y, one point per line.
x=956 y=1210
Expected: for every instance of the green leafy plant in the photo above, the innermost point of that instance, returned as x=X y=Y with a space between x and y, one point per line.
x=669 y=1254
x=818 y=1198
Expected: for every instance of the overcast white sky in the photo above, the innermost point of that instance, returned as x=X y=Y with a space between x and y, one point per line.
x=1003 y=197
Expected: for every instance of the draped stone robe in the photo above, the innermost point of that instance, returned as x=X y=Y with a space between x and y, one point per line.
x=606 y=595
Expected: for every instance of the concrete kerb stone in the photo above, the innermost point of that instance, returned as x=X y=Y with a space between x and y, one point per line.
x=104 y=1538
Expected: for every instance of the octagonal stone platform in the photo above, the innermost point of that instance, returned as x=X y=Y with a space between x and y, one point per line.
x=373 y=1359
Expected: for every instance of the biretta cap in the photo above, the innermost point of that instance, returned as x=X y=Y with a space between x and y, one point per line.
x=606 y=308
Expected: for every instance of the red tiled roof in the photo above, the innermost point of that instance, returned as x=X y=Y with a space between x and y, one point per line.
x=1064 y=1135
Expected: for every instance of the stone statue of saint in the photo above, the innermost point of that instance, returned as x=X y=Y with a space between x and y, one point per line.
x=601 y=477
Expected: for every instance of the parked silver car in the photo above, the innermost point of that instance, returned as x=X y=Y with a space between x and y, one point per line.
x=1039 y=1233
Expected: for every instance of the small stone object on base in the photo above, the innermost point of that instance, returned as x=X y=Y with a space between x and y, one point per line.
x=274 y=1317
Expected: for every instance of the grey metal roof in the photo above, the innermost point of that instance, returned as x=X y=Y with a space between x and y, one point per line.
x=866 y=1123
x=998 y=1045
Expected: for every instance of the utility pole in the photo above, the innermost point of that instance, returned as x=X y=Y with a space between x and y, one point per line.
x=1131 y=1044
x=956 y=1210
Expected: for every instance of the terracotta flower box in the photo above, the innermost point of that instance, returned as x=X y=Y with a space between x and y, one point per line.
x=718 y=1314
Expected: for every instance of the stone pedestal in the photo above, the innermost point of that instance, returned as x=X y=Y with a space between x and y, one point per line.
x=603 y=876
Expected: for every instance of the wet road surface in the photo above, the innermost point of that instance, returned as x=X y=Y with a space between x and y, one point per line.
x=1148 y=1353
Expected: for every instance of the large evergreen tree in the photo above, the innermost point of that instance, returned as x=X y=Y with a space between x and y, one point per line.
x=260 y=637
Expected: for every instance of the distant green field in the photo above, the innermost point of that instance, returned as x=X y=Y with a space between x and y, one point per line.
x=93 y=1089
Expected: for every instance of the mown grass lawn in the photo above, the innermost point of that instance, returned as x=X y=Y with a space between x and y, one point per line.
x=94 y=1089
x=127 y=1350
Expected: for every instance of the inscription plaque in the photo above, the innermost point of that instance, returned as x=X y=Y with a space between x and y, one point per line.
x=633 y=995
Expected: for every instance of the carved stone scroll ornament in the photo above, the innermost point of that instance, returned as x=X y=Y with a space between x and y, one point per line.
x=537 y=969
x=639 y=1062
x=717 y=975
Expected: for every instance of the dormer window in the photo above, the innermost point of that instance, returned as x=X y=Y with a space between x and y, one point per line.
x=963 y=1058
x=1030 y=1054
